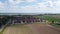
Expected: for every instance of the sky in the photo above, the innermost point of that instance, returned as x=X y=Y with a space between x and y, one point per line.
x=29 y=6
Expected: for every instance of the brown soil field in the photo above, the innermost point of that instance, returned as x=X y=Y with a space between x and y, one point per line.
x=36 y=28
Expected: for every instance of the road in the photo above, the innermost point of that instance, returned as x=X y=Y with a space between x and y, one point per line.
x=38 y=28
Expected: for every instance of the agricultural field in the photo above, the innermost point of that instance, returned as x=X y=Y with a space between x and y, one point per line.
x=50 y=18
x=34 y=28
x=56 y=16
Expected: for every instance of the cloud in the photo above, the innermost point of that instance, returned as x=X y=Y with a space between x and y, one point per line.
x=15 y=1
x=47 y=6
x=1 y=5
x=38 y=8
x=20 y=1
x=42 y=4
x=30 y=0
x=56 y=3
x=50 y=3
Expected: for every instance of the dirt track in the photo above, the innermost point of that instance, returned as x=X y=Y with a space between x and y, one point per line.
x=31 y=29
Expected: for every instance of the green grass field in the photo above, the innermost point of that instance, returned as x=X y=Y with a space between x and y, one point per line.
x=58 y=26
x=50 y=18
x=53 y=18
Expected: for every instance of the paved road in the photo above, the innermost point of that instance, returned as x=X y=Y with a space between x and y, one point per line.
x=35 y=28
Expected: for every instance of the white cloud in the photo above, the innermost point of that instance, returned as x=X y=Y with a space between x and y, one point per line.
x=56 y=3
x=38 y=8
x=30 y=0
x=41 y=7
x=19 y=1
x=45 y=4
x=34 y=9
x=1 y=5
x=42 y=4
x=15 y=1
x=50 y=3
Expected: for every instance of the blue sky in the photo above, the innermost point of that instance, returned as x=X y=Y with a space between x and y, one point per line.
x=29 y=6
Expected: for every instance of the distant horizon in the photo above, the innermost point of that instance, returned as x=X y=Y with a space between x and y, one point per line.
x=25 y=13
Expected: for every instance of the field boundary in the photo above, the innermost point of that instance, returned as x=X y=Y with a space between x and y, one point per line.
x=3 y=28
x=52 y=27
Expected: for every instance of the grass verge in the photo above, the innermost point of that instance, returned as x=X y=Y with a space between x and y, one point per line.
x=55 y=25
x=3 y=30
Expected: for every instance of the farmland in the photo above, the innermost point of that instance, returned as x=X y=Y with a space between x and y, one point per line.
x=50 y=18
x=35 y=27
x=56 y=16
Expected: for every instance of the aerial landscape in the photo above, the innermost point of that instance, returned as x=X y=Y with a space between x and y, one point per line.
x=30 y=24
x=29 y=16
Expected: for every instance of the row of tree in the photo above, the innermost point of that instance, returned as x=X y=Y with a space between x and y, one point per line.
x=3 y=20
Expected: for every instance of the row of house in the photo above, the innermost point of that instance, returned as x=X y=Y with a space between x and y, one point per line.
x=18 y=19
x=26 y=19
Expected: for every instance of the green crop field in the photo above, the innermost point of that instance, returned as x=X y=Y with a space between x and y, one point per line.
x=50 y=18
x=56 y=16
